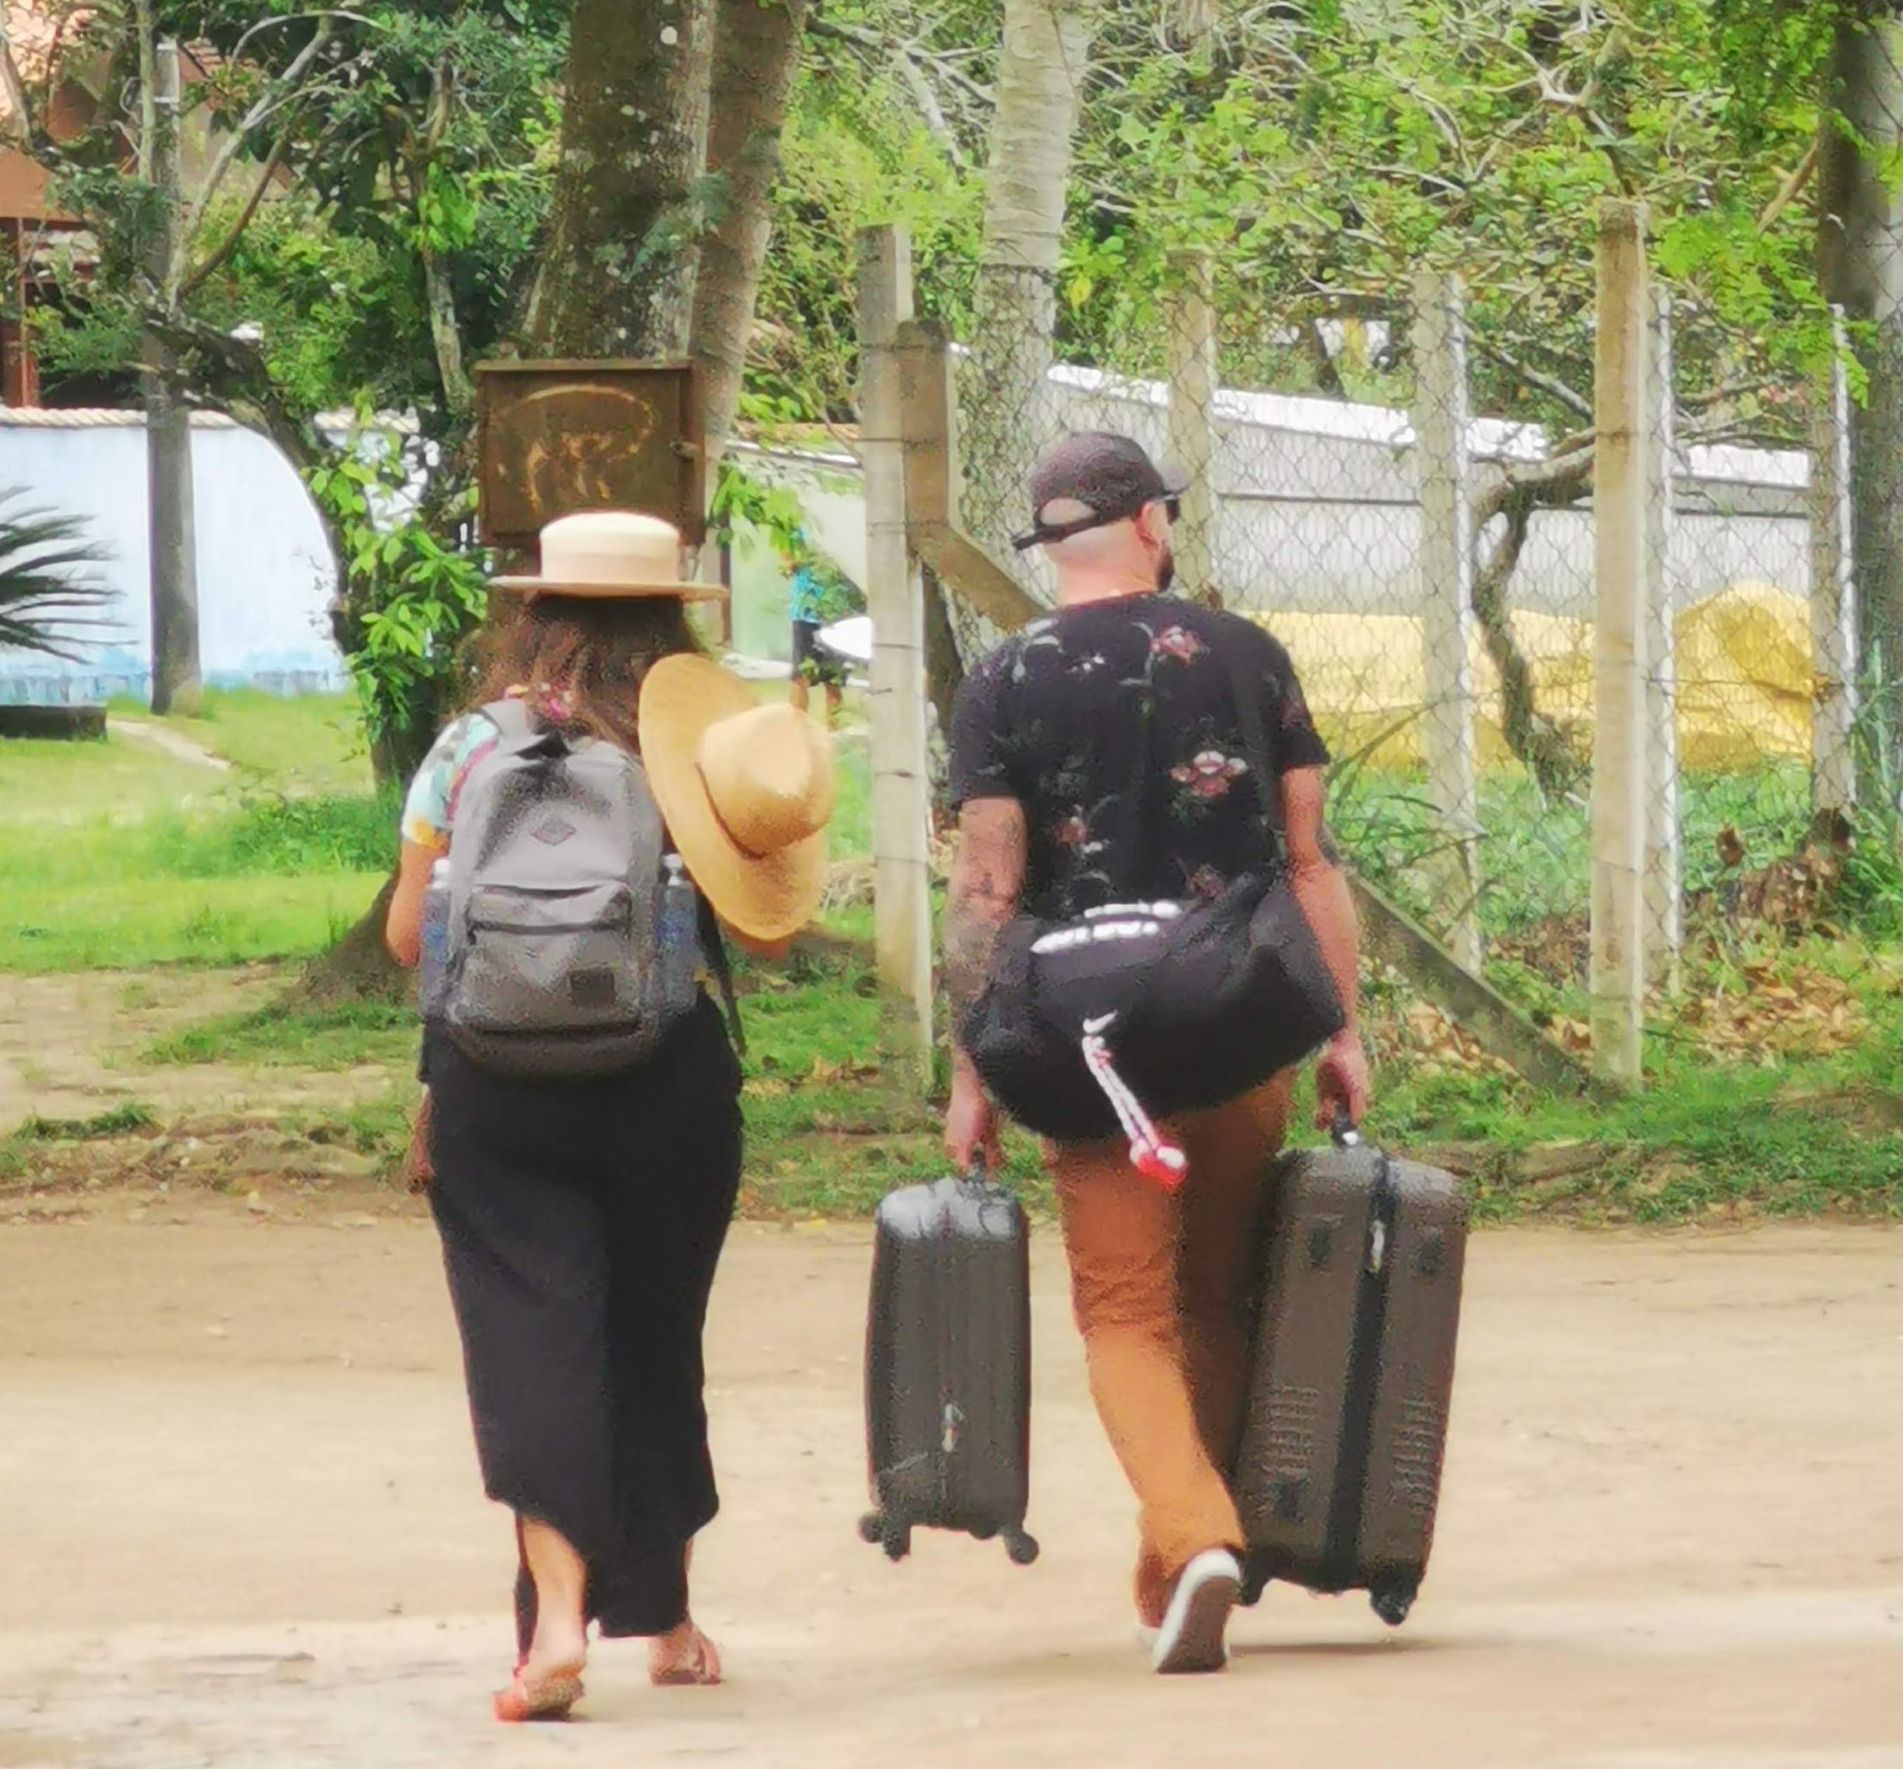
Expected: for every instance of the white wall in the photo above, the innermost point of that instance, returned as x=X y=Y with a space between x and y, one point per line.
x=1316 y=510
x=264 y=575
x=832 y=495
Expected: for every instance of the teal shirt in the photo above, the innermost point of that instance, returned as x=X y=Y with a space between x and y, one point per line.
x=807 y=597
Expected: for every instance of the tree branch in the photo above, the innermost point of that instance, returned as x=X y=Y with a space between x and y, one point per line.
x=928 y=106
x=1559 y=479
x=446 y=334
x=881 y=44
x=1792 y=187
x=1534 y=739
x=1574 y=401
x=283 y=89
x=221 y=253
x=236 y=381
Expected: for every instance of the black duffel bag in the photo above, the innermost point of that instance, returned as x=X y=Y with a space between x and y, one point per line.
x=1091 y=1027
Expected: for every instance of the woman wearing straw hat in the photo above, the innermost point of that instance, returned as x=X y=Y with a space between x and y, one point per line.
x=582 y=1220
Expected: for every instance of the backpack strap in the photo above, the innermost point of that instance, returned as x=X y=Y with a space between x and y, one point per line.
x=714 y=943
x=512 y=716
x=506 y=716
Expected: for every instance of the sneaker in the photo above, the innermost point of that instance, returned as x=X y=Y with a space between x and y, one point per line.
x=1191 y=1637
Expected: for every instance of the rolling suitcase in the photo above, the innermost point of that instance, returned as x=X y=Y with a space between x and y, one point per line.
x=948 y=1367
x=1339 y=1471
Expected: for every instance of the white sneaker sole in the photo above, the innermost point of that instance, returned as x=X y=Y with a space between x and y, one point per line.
x=1191 y=1638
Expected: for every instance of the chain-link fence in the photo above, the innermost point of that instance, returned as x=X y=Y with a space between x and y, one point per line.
x=1406 y=489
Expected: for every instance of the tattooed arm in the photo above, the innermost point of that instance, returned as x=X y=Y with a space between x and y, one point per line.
x=987 y=880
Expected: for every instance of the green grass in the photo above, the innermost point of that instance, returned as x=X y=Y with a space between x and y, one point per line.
x=1535 y=856
x=314 y=740
x=836 y=1116
x=852 y=812
x=346 y=1035
x=128 y=921
x=1785 y=1134
x=35 y=1132
x=116 y=854
x=120 y=1121
x=48 y=787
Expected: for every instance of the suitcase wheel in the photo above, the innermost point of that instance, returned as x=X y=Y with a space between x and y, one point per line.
x=1392 y=1602
x=1021 y=1546
x=872 y=1527
x=896 y=1540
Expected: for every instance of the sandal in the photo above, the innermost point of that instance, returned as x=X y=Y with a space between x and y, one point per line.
x=697 y=1667
x=549 y=1695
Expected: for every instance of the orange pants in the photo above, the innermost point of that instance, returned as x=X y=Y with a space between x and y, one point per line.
x=1163 y=1285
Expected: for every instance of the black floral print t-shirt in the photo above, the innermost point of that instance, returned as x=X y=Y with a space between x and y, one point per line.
x=1114 y=724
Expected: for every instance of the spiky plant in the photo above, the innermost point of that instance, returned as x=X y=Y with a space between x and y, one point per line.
x=51 y=595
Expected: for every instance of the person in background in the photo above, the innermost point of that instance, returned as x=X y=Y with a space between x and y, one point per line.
x=813 y=665
x=1098 y=757
x=582 y=1220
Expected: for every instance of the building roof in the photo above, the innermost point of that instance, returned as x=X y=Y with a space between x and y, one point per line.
x=40 y=33
x=40 y=417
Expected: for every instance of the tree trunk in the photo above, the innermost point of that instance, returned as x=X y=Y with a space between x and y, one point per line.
x=617 y=275
x=172 y=562
x=1860 y=263
x=359 y=967
x=1040 y=91
x=756 y=55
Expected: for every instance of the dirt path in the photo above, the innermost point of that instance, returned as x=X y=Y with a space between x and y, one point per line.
x=242 y=1528
x=174 y=743
x=70 y=1044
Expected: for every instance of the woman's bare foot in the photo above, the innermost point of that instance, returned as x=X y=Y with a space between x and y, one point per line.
x=683 y=1656
x=557 y=1647
x=547 y=1680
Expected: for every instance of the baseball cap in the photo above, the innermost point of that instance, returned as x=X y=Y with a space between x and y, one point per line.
x=1091 y=480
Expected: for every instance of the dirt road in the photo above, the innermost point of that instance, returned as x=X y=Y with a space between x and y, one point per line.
x=241 y=1528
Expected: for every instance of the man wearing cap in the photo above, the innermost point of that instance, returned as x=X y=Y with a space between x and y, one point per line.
x=1098 y=757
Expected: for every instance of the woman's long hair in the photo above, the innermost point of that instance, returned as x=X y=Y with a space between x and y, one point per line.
x=580 y=660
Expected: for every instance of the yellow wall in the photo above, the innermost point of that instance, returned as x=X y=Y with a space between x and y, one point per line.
x=1743 y=670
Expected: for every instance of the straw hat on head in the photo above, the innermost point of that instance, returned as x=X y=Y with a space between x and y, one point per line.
x=747 y=791
x=611 y=554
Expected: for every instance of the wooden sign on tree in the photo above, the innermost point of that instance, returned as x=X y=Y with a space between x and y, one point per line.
x=556 y=437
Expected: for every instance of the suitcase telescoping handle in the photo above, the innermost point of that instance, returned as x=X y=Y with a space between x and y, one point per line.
x=1347 y=1135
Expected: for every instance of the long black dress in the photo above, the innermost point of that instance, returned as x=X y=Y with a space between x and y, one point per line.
x=581 y=1225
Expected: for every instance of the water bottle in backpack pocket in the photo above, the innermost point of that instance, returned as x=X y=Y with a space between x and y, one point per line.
x=680 y=944
x=433 y=968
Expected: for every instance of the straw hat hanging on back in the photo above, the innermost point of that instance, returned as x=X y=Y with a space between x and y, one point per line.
x=746 y=788
x=610 y=553
x=747 y=791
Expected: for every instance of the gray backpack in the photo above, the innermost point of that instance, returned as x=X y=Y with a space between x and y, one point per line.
x=558 y=885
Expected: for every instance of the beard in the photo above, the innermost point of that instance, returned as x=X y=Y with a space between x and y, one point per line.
x=1165 y=570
